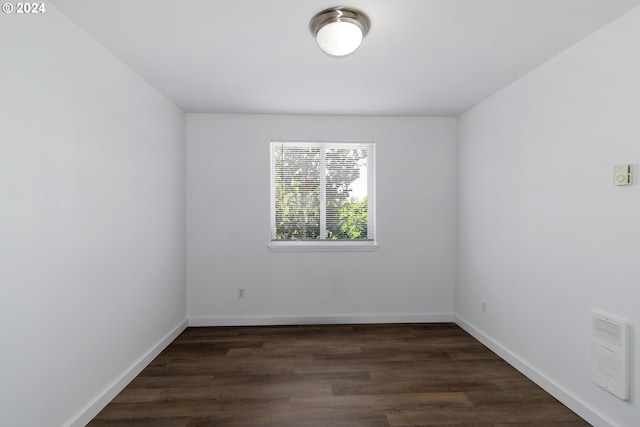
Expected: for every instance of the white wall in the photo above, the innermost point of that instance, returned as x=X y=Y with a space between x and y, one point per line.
x=92 y=234
x=410 y=276
x=543 y=235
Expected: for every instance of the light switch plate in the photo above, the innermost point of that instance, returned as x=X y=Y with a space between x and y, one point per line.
x=623 y=174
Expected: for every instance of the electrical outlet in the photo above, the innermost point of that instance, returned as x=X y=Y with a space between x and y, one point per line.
x=240 y=292
x=484 y=306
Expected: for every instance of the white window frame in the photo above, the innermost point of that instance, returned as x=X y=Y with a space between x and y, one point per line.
x=323 y=244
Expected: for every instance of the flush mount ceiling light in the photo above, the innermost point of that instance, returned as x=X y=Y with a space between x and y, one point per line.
x=339 y=30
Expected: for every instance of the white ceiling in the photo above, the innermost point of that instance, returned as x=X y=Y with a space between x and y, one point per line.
x=421 y=57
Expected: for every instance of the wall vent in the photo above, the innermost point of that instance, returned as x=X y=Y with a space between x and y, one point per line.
x=610 y=354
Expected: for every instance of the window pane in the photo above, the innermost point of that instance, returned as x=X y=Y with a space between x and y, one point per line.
x=346 y=193
x=322 y=191
x=297 y=192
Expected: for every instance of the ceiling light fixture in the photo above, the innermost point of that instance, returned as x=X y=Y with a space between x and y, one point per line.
x=339 y=30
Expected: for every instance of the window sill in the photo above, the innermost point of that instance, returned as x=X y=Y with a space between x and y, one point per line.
x=302 y=246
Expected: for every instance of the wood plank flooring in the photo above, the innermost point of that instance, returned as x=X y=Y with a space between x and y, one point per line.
x=332 y=375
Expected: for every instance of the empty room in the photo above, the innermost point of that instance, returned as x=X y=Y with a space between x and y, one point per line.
x=316 y=213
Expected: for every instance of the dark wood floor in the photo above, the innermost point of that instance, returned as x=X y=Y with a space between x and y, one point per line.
x=332 y=375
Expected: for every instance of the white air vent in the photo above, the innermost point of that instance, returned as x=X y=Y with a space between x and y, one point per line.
x=610 y=354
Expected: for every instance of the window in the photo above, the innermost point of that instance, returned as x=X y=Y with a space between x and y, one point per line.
x=322 y=195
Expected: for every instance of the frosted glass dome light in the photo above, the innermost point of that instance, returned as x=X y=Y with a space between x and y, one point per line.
x=339 y=30
x=339 y=38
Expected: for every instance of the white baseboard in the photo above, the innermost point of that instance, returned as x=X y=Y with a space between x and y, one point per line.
x=95 y=406
x=319 y=320
x=550 y=386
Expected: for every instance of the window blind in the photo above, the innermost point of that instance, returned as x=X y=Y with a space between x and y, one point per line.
x=322 y=191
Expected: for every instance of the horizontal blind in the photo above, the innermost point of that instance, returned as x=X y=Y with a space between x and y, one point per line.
x=297 y=192
x=346 y=204
x=323 y=191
